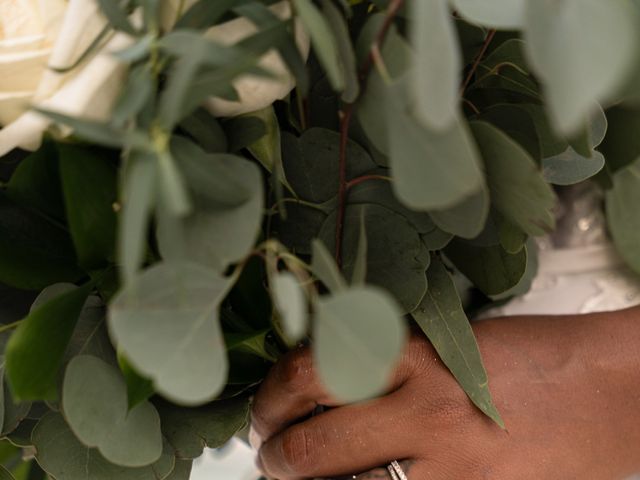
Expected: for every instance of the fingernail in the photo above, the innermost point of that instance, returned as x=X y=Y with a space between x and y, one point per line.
x=255 y=440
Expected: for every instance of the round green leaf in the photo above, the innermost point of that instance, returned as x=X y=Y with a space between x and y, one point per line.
x=190 y=430
x=359 y=335
x=397 y=258
x=166 y=323
x=94 y=400
x=291 y=303
x=502 y=14
x=622 y=217
x=582 y=50
x=437 y=63
x=62 y=456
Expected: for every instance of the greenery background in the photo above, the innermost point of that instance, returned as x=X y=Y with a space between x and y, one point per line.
x=153 y=267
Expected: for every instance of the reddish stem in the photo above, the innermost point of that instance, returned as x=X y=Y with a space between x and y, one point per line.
x=476 y=62
x=365 y=178
x=345 y=122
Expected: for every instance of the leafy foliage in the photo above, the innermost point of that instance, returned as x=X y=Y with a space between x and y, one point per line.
x=179 y=252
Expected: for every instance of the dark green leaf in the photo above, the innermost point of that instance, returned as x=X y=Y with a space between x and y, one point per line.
x=35 y=183
x=190 y=430
x=36 y=349
x=492 y=269
x=621 y=145
x=441 y=317
x=622 y=214
x=35 y=251
x=518 y=190
x=205 y=129
x=311 y=163
x=89 y=185
x=396 y=256
x=139 y=388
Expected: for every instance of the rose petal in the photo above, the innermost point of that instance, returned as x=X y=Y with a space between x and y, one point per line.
x=81 y=25
x=19 y=18
x=22 y=71
x=25 y=132
x=13 y=104
x=22 y=44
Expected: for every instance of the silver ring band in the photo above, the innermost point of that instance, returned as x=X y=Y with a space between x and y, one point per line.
x=396 y=471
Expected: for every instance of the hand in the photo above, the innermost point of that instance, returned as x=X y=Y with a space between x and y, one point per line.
x=567 y=388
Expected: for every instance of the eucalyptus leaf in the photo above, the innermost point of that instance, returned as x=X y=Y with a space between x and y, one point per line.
x=182 y=470
x=518 y=190
x=347 y=57
x=62 y=456
x=5 y=474
x=502 y=14
x=35 y=183
x=324 y=267
x=622 y=218
x=491 y=269
x=14 y=412
x=190 y=430
x=204 y=13
x=291 y=302
x=442 y=318
x=437 y=63
x=359 y=335
x=225 y=221
x=116 y=15
x=323 y=41
x=166 y=323
x=466 y=219
x=582 y=50
x=621 y=145
x=138 y=200
x=570 y=167
x=311 y=163
x=139 y=388
x=94 y=400
x=35 y=251
x=396 y=256
x=89 y=186
x=36 y=349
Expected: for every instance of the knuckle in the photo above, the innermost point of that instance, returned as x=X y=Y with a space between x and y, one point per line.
x=297 y=445
x=296 y=370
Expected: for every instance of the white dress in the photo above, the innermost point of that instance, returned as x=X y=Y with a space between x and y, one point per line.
x=579 y=271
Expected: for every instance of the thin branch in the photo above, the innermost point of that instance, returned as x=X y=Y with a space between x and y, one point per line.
x=477 y=61
x=347 y=115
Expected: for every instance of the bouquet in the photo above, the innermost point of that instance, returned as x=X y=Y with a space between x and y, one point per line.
x=189 y=189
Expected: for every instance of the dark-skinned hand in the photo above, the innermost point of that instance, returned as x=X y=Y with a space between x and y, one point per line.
x=568 y=389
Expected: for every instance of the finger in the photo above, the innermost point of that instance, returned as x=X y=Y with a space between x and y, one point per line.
x=409 y=468
x=292 y=390
x=342 y=440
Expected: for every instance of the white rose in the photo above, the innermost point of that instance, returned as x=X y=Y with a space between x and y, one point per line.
x=36 y=35
x=255 y=93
